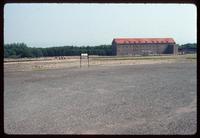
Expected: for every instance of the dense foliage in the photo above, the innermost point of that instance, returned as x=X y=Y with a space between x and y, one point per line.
x=20 y=50
x=189 y=46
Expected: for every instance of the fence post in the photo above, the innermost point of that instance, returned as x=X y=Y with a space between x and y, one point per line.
x=80 y=61
x=88 y=60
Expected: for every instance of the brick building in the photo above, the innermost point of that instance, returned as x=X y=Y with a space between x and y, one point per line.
x=143 y=46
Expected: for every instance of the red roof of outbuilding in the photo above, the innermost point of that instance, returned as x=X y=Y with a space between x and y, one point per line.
x=143 y=40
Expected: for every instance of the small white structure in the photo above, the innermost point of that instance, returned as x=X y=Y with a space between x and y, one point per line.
x=82 y=56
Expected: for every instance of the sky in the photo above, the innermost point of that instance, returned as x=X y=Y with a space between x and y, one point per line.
x=46 y=25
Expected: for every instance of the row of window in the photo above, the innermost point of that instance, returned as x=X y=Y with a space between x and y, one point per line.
x=149 y=46
x=129 y=42
x=155 y=50
x=138 y=48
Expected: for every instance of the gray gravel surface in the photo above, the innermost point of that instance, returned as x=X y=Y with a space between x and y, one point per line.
x=134 y=99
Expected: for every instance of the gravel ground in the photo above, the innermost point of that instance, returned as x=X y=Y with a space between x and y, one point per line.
x=129 y=99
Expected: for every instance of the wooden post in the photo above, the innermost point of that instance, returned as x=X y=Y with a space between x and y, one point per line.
x=80 y=61
x=88 y=60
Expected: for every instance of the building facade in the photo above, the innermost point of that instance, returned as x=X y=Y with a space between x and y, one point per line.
x=143 y=46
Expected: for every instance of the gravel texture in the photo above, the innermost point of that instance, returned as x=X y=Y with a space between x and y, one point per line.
x=129 y=99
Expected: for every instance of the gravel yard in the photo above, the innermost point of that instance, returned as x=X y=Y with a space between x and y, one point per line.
x=128 y=99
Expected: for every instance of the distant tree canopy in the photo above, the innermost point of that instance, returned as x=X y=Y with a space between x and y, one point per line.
x=21 y=50
x=17 y=50
x=189 y=45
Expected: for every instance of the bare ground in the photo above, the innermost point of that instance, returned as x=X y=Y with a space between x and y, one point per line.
x=129 y=99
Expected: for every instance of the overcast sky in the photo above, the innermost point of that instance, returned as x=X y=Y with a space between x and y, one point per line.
x=45 y=25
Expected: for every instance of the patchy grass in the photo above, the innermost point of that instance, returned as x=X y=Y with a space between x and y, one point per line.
x=38 y=68
x=191 y=56
x=96 y=60
x=188 y=56
x=136 y=58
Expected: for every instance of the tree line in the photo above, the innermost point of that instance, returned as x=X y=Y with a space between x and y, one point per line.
x=21 y=50
x=188 y=46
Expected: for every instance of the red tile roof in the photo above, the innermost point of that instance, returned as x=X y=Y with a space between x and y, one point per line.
x=143 y=40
